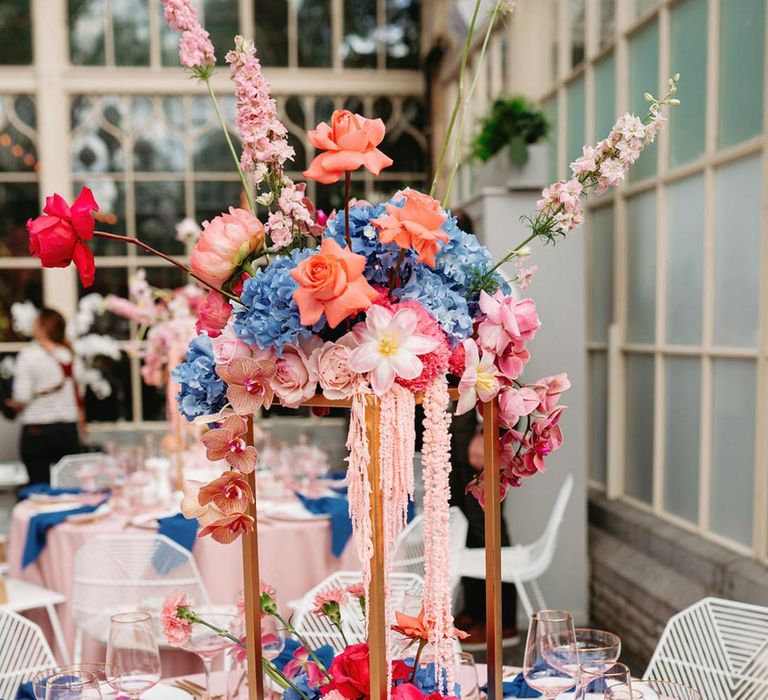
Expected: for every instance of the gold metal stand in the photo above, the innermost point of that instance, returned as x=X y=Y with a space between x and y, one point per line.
x=377 y=623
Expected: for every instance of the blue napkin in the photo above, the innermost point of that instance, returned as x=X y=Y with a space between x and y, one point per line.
x=341 y=490
x=183 y=532
x=45 y=489
x=516 y=688
x=25 y=692
x=341 y=523
x=324 y=653
x=337 y=476
x=39 y=524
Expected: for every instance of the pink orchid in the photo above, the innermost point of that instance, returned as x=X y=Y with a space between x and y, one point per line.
x=514 y=403
x=301 y=662
x=549 y=390
x=388 y=347
x=506 y=320
x=249 y=383
x=191 y=508
x=513 y=359
x=543 y=439
x=480 y=379
x=227 y=443
x=230 y=493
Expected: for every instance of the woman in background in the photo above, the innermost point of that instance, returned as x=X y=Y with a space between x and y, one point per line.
x=46 y=393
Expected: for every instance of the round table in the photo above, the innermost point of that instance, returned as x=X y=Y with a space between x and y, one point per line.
x=294 y=556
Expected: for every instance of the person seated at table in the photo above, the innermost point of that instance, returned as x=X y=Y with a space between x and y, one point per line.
x=467 y=457
x=47 y=396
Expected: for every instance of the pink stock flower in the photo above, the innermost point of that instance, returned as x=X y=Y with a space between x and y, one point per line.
x=295 y=378
x=249 y=383
x=195 y=48
x=227 y=443
x=544 y=438
x=549 y=389
x=176 y=630
x=515 y=403
x=331 y=364
x=225 y=244
x=388 y=347
x=227 y=346
x=213 y=314
x=561 y=201
x=301 y=662
x=480 y=379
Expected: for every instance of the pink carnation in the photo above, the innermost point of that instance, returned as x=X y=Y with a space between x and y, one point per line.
x=356 y=590
x=334 y=596
x=176 y=630
x=435 y=362
x=457 y=362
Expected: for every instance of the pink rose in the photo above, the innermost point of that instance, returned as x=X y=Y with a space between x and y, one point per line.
x=350 y=673
x=176 y=630
x=227 y=346
x=295 y=378
x=549 y=390
x=331 y=364
x=225 y=243
x=213 y=314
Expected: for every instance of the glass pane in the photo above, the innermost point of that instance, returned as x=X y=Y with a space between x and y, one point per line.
x=221 y=21
x=17 y=286
x=681 y=435
x=116 y=406
x=18 y=202
x=212 y=152
x=598 y=415
x=153 y=403
x=577 y=32
x=15 y=32
x=738 y=233
x=742 y=43
x=644 y=77
x=685 y=260
x=158 y=146
x=605 y=96
x=86 y=32
x=110 y=280
x=130 y=27
x=733 y=449
x=576 y=120
x=110 y=194
x=212 y=198
x=315 y=47
x=271 y=31
x=689 y=58
x=402 y=33
x=360 y=42
x=638 y=429
x=643 y=6
x=641 y=275
x=607 y=21
x=601 y=273
x=159 y=207
x=550 y=109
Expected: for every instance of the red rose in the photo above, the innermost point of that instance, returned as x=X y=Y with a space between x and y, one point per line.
x=57 y=237
x=407 y=691
x=350 y=672
x=213 y=314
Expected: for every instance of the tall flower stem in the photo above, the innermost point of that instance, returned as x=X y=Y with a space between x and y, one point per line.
x=167 y=258
x=396 y=271
x=302 y=640
x=347 y=187
x=458 y=101
x=231 y=146
x=282 y=680
x=422 y=644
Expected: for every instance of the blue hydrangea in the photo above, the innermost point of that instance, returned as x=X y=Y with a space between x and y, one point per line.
x=425 y=679
x=269 y=317
x=201 y=390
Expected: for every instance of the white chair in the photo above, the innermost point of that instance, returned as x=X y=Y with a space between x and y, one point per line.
x=719 y=647
x=128 y=572
x=23 y=652
x=318 y=630
x=23 y=596
x=521 y=564
x=409 y=551
x=93 y=470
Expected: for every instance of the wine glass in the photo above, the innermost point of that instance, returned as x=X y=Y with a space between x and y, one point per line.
x=666 y=690
x=596 y=645
x=72 y=685
x=465 y=674
x=100 y=670
x=132 y=654
x=607 y=679
x=551 y=661
x=208 y=642
x=272 y=638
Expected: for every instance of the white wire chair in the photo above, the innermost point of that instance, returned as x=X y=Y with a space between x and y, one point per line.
x=719 y=647
x=408 y=556
x=318 y=630
x=23 y=652
x=115 y=573
x=521 y=564
x=91 y=470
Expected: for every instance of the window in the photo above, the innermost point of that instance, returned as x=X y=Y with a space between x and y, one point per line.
x=15 y=32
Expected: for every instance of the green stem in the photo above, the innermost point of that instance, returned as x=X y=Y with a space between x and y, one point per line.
x=458 y=101
x=343 y=636
x=220 y=631
x=460 y=135
x=275 y=674
x=347 y=187
x=231 y=146
x=396 y=271
x=422 y=644
x=302 y=640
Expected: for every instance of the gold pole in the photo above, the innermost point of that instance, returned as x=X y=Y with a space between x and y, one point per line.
x=492 y=549
x=253 y=595
x=377 y=623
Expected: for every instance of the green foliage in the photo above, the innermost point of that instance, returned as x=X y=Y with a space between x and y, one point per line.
x=514 y=123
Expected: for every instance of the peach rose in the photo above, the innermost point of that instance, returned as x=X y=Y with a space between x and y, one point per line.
x=350 y=143
x=295 y=379
x=331 y=364
x=331 y=281
x=225 y=243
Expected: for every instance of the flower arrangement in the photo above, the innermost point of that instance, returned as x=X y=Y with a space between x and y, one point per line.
x=391 y=300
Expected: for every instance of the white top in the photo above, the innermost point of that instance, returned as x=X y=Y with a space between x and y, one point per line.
x=36 y=371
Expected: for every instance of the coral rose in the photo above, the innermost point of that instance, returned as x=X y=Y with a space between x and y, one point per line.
x=225 y=243
x=58 y=236
x=213 y=314
x=350 y=143
x=331 y=281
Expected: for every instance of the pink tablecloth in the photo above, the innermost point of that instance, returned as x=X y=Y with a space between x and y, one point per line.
x=294 y=556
